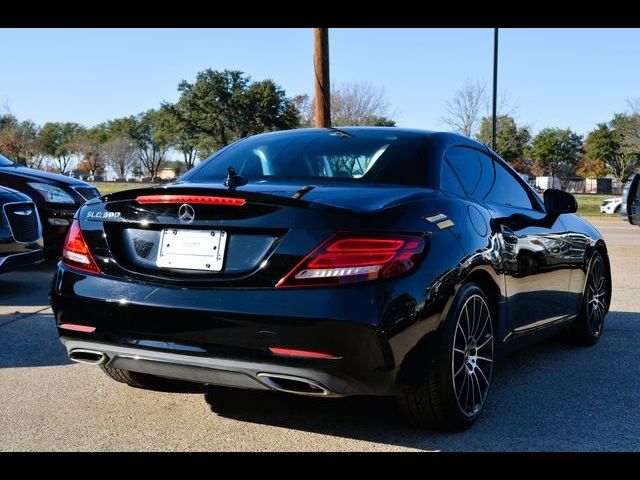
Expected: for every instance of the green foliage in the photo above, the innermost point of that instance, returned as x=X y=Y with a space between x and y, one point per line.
x=56 y=139
x=225 y=106
x=614 y=147
x=626 y=128
x=184 y=134
x=20 y=141
x=152 y=137
x=601 y=147
x=556 y=150
x=511 y=140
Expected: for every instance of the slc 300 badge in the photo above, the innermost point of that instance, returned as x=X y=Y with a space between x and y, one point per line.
x=103 y=215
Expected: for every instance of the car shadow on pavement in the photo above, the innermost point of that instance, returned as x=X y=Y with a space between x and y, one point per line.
x=30 y=341
x=28 y=286
x=552 y=396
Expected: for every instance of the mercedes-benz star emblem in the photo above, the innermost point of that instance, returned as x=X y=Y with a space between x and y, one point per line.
x=186 y=213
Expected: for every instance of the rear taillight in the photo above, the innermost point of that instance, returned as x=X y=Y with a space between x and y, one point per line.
x=348 y=257
x=76 y=252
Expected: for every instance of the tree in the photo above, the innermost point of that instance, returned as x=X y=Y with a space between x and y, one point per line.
x=56 y=139
x=152 y=139
x=634 y=105
x=556 y=151
x=119 y=153
x=88 y=146
x=352 y=104
x=21 y=141
x=304 y=106
x=591 y=168
x=465 y=109
x=9 y=145
x=30 y=144
x=601 y=147
x=511 y=140
x=360 y=104
x=183 y=133
x=626 y=129
x=226 y=106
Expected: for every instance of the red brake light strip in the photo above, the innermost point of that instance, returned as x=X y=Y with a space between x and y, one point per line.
x=195 y=199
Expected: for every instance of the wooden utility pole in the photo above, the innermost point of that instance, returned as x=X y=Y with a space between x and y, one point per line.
x=321 y=70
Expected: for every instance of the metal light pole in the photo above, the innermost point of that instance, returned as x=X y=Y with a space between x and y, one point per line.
x=495 y=89
x=321 y=71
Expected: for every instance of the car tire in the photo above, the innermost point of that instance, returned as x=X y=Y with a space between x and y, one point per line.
x=617 y=209
x=140 y=380
x=459 y=370
x=586 y=329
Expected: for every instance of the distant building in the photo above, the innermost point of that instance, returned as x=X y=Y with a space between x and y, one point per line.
x=602 y=186
x=544 y=183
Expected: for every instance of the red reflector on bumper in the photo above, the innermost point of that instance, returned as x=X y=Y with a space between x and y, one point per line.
x=195 y=199
x=289 y=352
x=77 y=328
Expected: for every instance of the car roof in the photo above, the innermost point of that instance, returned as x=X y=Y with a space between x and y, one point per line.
x=444 y=139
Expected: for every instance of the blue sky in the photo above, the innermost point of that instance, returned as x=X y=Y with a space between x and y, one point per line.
x=556 y=77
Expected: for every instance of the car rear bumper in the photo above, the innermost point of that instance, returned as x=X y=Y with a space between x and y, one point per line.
x=223 y=336
x=215 y=371
x=20 y=260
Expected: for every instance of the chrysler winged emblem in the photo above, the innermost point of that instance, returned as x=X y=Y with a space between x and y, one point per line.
x=23 y=213
x=186 y=213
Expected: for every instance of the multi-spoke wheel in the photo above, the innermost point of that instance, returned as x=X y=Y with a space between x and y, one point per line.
x=472 y=358
x=587 y=327
x=458 y=371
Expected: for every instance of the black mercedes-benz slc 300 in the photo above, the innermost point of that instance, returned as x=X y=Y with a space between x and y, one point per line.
x=57 y=197
x=332 y=262
x=20 y=231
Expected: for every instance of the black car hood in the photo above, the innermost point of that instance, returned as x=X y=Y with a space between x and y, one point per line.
x=42 y=176
x=361 y=198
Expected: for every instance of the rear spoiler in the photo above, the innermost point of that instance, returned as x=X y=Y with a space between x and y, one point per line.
x=215 y=196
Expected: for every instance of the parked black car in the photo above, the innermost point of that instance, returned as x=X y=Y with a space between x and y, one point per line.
x=631 y=200
x=57 y=198
x=332 y=262
x=20 y=231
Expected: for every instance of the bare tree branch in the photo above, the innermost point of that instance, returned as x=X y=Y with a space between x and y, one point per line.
x=465 y=109
x=634 y=105
x=352 y=104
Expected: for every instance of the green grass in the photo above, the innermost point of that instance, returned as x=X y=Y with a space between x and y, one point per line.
x=589 y=204
x=112 y=187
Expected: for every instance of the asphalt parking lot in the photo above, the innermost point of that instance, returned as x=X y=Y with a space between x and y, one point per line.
x=549 y=397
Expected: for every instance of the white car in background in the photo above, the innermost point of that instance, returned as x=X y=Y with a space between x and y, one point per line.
x=611 y=205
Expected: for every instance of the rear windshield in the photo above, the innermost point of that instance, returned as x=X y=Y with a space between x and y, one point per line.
x=360 y=156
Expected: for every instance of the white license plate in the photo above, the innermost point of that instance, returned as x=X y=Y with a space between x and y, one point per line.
x=192 y=249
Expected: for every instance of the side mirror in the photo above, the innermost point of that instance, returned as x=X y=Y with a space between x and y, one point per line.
x=631 y=199
x=557 y=202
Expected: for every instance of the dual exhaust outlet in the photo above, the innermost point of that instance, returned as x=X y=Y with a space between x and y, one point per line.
x=92 y=357
x=276 y=381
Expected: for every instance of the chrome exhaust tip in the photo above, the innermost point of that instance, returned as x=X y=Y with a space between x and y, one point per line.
x=92 y=357
x=291 y=384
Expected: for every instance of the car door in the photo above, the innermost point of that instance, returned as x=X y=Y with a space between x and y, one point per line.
x=533 y=247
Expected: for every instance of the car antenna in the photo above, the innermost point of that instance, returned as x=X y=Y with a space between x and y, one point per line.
x=234 y=180
x=303 y=191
